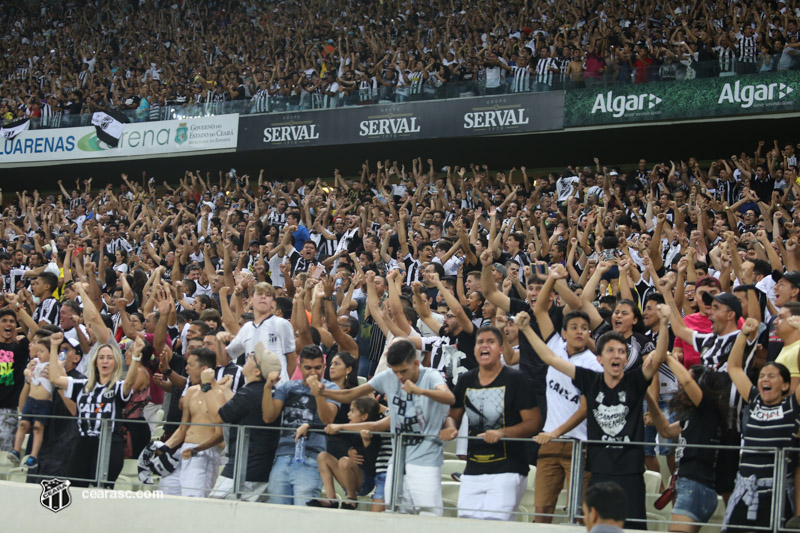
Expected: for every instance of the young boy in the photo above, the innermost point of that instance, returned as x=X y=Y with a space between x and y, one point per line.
x=614 y=401
x=35 y=399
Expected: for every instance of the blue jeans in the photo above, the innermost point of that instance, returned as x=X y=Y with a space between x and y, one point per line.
x=293 y=483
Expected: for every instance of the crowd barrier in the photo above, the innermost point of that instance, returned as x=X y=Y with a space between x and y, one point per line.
x=568 y=510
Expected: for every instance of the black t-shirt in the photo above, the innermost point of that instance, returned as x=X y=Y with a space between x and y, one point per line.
x=13 y=360
x=614 y=415
x=494 y=406
x=245 y=409
x=702 y=426
x=529 y=362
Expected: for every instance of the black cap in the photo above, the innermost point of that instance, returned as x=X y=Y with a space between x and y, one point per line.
x=727 y=298
x=793 y=277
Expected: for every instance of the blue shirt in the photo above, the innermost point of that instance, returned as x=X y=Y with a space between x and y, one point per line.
x=300 y=237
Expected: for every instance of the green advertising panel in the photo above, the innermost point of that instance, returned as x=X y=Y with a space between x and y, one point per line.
x=708 y=97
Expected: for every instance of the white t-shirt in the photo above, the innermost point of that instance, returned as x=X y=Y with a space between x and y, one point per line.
x=275 y=333
x=563 y=397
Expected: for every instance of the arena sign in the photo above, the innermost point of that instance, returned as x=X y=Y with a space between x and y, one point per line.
x=142 y=139
x=494 y=115
x=699 y=98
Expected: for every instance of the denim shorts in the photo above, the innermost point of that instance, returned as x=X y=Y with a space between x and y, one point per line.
x=694 y=499
x=34 y=407
x=367 y=485
x=380 y=481
x=651 y=433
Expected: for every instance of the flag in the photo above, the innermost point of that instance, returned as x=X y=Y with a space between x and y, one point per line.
x=109 y=126
x=11 y=130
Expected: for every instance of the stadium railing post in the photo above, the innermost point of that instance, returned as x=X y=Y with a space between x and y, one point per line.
x=398 y=469
x=240 y=465
x=103 y=452
x=778 y=489
x=576 y=480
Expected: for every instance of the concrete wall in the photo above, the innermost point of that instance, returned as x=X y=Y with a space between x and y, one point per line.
x=23 y=512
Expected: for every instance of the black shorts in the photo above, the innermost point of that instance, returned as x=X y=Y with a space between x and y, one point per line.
x=633 y=485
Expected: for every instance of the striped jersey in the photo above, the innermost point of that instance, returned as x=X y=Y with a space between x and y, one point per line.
x=772 y=426
x=47 y=311
x=102 y=402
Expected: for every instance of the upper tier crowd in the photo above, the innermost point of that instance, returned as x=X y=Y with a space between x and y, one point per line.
x=147 y=57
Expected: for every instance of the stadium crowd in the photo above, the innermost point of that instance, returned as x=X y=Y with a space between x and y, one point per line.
x=473 y=302
x=150 y=56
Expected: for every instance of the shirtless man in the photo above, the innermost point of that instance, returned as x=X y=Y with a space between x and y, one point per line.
x=199 y=451
x=575 y=70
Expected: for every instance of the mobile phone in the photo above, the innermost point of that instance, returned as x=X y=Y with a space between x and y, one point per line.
x=541 y=268
x=318 y=272
x=338 y=282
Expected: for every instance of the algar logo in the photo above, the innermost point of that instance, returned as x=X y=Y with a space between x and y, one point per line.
x=747 y=95
x=621 y=104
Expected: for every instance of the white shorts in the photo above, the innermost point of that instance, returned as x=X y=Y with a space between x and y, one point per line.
x=421 y=490
x=194 y=477
x=491 y=496
x=252 y=491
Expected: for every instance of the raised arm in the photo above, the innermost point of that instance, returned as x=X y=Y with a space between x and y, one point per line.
x=735 y=370
x=523 y=322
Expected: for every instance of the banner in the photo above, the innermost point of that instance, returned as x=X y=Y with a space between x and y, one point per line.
x=491 y=115
x=138 y=139
x=753 y=94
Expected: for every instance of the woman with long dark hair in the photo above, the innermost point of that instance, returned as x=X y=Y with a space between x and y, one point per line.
x=701 y=409
x=773 y=420
x=344 y=372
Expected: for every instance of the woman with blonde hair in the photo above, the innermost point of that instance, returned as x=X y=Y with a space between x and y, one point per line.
x=101 y=396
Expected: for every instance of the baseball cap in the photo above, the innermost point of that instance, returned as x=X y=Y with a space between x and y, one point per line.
x=266 y=361
x=727 y=298
x=793 y=277
x=500 y=268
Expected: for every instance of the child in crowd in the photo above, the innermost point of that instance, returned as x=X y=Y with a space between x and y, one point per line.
x=356 y=471
x=35 y=399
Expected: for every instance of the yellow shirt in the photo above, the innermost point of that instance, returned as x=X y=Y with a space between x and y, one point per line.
x=788 y=358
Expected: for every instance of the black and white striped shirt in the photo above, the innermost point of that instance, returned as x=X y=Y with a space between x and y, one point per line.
x=728 y=191
x=413 y=269
x=772 y=426
x=543 y=72
x=748 y=49
x=276 y=219
x=261 y=101
x=521 y=79
x=102 y=402
x=416 y=78
x=47 y=311
x=727 y=58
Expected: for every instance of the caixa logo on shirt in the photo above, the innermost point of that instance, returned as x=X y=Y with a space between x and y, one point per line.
x=621 y=104
x=765 y=415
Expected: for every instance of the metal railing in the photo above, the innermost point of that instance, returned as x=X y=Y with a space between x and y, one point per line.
x=574 y=493
x=670 y=72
